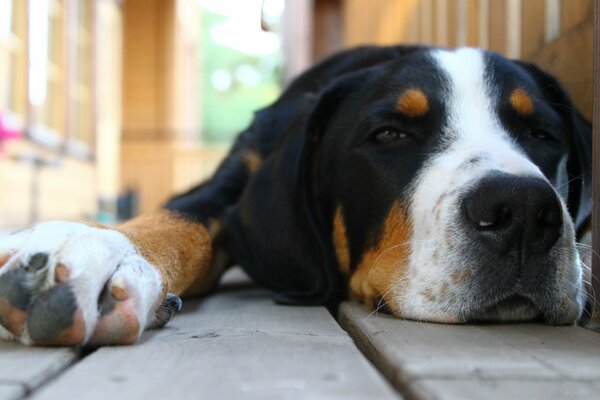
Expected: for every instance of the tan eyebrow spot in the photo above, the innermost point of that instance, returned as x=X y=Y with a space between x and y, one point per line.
x=340 y=240
x=413 y=103
x=521 y=102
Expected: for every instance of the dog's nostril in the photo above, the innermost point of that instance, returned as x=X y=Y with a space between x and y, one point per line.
x=508 y=212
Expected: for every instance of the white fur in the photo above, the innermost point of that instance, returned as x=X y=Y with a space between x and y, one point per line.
x=93 y=257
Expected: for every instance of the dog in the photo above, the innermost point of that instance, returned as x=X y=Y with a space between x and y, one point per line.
x=436 y=185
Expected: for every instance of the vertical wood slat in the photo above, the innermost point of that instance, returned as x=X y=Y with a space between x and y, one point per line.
x=573 y=12
x=513 y=28
x=483 y=16
x=472 y=23
x=596 y=164
x=497 y=26
x=441 y=22
x=532 y=22
x=552 y=25
x=426 y=25
x=462 y=25
x=452 y=27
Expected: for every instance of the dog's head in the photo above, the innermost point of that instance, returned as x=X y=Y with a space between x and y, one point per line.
x=454 y=183
x=444 y=185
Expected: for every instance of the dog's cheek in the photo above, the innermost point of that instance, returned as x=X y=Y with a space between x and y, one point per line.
x=382 y=269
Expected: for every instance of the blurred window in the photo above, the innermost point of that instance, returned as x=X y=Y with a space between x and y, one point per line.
x=81 y=93
x=12 y=56
x=240 y=66
x=60 y=72
x=46 y=65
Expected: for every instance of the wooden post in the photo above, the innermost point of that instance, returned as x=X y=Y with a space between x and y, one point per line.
x=596 y=166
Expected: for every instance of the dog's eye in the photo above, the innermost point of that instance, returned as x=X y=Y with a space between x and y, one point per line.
x=539 y=134
x=388 y=135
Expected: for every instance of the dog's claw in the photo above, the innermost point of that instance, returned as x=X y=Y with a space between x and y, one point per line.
x=171 y=305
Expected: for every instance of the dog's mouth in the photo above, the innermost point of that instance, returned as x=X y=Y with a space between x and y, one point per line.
x=512 y=308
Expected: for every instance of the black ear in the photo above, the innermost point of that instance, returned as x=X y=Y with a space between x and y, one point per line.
x=579 y=165
x=277 y=230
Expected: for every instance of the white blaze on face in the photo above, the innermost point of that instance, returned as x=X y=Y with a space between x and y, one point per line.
x=474 y=145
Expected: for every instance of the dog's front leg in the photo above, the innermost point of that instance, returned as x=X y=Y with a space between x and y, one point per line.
x=68 y=284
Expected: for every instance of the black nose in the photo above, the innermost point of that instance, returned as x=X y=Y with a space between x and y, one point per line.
x=510 y=213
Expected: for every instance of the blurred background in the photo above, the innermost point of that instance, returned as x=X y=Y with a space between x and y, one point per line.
x=107 y=107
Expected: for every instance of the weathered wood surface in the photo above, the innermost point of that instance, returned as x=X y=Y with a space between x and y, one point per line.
x=233 y=345
x=435 y=361
x=24 y=369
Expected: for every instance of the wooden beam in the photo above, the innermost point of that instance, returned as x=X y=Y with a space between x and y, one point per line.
x=596 y=163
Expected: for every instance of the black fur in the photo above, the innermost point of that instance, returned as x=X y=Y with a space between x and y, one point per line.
x=316 y=143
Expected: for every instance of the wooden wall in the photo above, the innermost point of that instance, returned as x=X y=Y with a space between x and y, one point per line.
x=555 y=34
x=158 y=169
x=160 y=153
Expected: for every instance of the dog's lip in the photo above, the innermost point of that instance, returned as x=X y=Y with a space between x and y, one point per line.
x=514 y=307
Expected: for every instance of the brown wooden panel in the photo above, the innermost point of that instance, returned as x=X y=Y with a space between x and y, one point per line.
x=328 y=28
x=440 y=22
x=452 y=23
x=532 y=34
x=574 y=12
x=570 y=59
x=596 y=162
x=472 y=23
x=497 y=26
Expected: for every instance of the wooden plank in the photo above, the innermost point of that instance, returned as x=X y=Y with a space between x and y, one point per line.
x=237 y=344
x=497 y=26
x=569 y=58
x=420 y=358
x=596 y=159
x=10 y=391
x=552 y=19
x=513 y=28
x=472 y=23
x=574 y=12
x=23 y=369
x=510 y=389
x=532 y=34
x=452 y=24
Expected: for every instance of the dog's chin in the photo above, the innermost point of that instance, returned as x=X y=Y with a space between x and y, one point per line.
x=514 y=308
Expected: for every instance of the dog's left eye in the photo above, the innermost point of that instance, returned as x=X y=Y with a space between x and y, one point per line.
x=388 y=135
x=539 y=134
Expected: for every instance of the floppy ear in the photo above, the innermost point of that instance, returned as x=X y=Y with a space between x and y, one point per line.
x=292 y=255
x=579 y=164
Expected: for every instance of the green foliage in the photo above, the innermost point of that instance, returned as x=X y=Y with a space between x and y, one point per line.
x=225 y=113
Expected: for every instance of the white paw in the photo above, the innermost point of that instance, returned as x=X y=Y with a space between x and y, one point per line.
x=69 y=284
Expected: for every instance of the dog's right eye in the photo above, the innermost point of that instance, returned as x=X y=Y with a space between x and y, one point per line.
x=388 y=135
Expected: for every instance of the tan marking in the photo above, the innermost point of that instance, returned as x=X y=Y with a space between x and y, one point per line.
x=71 y=336
x=340 y=241
x=12 y=318
x=4 y=257
x=252 y=160
x=121 y=326
x=61 y=273
x=180 y=249
x=413 y=103
x=384 y=262
x=521 y=102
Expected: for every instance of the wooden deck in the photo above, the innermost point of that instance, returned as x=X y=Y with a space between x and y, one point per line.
x=238 y=344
